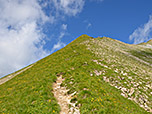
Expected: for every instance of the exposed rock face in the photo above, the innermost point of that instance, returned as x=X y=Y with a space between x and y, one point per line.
x=105 y=79
x=131 y=91
x=140 y=98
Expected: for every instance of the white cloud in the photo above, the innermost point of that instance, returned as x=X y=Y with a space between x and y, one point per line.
x=143 y=33
x=21 y=39
x=89 y=25
x=62 y=34
x=60 y=44
x=57 y=46
x=64 y=26
x=21 y=29
x=17 y=13
x=20 y=47
x=69 y=7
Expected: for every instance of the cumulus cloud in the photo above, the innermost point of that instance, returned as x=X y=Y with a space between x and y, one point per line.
x=21 y=39
x=69 y=7
x=20 y=47
x=21 y=29
x=143 y=33
x=17 y=13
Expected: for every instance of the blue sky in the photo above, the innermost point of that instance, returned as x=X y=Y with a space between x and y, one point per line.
x=112 y=18
x=33 y=29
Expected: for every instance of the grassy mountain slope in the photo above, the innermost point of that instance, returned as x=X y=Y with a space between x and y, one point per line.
x=108 y=77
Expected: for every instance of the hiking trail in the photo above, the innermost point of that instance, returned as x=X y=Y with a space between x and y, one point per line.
x=63 y=98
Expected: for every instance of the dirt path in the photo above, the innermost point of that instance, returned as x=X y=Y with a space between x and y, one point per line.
x=3 y=80
x=60 y=93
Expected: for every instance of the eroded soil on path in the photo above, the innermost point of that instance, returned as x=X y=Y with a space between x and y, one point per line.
x=60 y=93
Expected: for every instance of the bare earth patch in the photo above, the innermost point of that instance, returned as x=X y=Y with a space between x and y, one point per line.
x=60 y=93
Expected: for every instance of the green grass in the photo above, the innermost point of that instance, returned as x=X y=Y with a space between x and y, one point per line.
x=31 y=91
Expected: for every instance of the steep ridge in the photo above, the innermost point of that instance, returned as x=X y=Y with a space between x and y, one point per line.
x=101 y=75
x=7 y=78
x=132 y=72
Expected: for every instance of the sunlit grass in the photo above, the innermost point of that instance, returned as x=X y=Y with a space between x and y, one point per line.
x=31 y=91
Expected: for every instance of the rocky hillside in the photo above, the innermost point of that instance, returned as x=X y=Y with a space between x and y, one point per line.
x=88 y=76
x=131 y=67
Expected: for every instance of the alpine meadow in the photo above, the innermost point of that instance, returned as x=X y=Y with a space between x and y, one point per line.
x=88 y=76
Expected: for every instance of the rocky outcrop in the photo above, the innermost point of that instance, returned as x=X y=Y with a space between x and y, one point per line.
x=129 y=87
